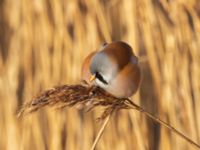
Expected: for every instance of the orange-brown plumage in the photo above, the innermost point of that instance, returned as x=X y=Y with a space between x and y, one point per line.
x=116 y=69
x=85 y=70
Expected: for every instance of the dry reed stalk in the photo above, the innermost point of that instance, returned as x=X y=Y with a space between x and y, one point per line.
x=100 y=132
x=132 y=105
x=86 y=97
x=89 y=97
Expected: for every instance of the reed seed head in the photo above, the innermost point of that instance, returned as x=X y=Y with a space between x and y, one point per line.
x=85 y=97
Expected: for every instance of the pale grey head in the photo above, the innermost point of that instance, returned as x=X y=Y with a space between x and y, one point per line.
x=103 y=69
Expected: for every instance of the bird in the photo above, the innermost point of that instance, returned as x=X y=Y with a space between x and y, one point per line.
x=114 y=68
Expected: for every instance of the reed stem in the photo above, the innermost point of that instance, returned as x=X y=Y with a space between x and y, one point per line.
x=100 y=132
x=132 y=105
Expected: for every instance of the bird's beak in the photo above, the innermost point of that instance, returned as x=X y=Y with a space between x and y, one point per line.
x=92 y=78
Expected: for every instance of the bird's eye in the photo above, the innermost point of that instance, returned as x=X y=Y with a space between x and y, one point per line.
x=99 y=76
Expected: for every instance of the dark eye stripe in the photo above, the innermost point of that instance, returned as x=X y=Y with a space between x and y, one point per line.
x=98 y=76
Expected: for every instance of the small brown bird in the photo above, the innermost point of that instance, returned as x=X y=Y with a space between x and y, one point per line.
x=114 y=68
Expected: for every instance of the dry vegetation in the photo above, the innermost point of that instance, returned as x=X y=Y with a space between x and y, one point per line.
x=43 y=43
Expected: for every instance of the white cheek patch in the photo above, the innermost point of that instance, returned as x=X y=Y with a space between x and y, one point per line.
x=100 y=84
x=107 y=77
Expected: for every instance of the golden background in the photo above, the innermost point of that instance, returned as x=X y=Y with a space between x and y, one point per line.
x=43 y=44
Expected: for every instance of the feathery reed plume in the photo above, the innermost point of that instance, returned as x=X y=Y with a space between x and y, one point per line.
x=87 y=97
x=90 y=97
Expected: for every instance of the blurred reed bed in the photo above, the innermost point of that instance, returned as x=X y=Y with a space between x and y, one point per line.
x=43 y=44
